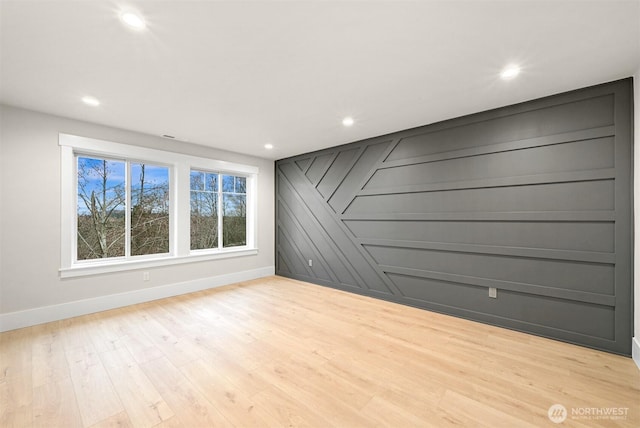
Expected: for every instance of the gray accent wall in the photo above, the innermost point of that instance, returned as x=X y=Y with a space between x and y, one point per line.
x=532 y=199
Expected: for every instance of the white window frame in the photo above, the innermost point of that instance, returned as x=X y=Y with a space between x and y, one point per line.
x=180 y=166
x=219 y=214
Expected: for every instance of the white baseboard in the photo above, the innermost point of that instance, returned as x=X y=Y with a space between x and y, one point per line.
x=29 y=317
x=635 y=351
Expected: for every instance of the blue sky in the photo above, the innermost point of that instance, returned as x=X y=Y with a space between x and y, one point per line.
x=154 y=175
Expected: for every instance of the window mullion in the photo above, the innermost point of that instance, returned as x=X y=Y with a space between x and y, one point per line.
x=74 y=240
x=121 y=162
x=127 y=211
x=220 y=231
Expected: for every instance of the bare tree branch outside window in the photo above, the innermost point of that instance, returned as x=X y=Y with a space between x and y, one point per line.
x=101 y=211
x=101 y=208
x=208 y=191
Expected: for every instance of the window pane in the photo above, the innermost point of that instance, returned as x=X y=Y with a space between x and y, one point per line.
x=234 y=220
x=101 y=208
x=204 y=213
x=149 y=209
x=212 y=182
x=197 y=180
x=241 y=185
x=227 y=183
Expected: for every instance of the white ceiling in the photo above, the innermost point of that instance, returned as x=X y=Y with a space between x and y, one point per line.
x=237 y=75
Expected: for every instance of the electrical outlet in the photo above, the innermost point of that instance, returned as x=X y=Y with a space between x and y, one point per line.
x=493 y=292
x=145 y=276
x=310 y=262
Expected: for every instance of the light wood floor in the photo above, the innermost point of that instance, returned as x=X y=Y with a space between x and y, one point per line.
x=277 y=352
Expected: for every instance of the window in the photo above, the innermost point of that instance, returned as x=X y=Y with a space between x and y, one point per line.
x=105 y=227
x=234 y=211
x=149 y=214
x=101 y=216
x=126 y=207
x=218 y=208
x=205 y=198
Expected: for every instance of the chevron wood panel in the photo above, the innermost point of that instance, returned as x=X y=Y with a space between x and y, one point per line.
x=532 y=199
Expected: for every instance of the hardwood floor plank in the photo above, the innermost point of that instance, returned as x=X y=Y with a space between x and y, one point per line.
x=16 y=378
x=388 y=413
x=75 y=333
x=275 y=408
x=142 y=402
x=173 y=422
x=54 y=405
x=119 y=420
x=97 y=400
x=472 y=412
x=106 y=330
x=142 y=349
x=292 y=382
x=191 y=407
x=179 y=350
x=238 y=374
x=234 y=403
x=48 y=357
x=16 y=401
x=15 y=354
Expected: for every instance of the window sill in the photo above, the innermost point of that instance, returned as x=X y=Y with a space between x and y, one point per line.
x=122 y=266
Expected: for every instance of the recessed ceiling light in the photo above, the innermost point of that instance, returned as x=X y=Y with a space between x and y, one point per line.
x=268 y=146
x=347 y=121
x=509 y=72
x=91 y=101
x=133 y=20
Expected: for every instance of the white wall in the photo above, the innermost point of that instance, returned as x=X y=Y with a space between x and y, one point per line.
x=30 y=220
